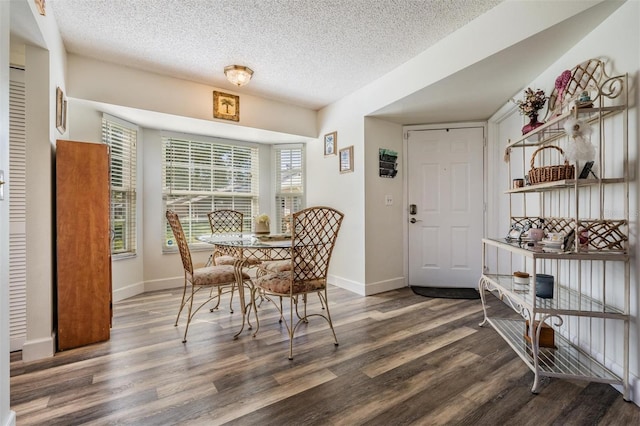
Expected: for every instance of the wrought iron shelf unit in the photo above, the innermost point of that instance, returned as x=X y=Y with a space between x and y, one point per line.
x=589 y=311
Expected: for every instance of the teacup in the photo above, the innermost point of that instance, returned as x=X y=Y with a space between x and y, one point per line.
x=536 y=234
x=555 y=236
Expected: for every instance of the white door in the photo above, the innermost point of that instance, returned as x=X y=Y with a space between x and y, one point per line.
x=445 y=183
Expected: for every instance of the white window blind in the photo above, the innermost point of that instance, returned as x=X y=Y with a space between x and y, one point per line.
x=121 y=138
x=289 y=181
x=201 y=176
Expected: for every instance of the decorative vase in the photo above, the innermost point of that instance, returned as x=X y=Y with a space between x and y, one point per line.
x=544 y=286
x=262 y=227
x=533 y=123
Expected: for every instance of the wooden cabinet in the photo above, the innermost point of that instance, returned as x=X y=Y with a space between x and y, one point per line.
x=83 y=252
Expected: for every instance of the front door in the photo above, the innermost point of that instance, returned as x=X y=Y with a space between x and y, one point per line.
x=445 y=184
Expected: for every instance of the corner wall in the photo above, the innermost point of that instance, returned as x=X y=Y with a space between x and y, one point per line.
x=384 y=248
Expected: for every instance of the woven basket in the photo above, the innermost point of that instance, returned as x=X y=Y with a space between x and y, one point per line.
x=550 y=173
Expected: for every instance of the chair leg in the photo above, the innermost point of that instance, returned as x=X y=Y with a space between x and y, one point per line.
x=184 y=292
x=218 y=301
x=326 y=304
x=291 y=327
x=186 y=329
x=233 y=287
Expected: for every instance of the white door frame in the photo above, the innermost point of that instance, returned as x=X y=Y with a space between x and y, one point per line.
x=405 y=182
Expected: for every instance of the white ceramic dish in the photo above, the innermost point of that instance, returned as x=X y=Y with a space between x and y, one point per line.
x=551 y=244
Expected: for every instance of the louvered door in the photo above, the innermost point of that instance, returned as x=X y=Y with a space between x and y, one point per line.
x=17 y=211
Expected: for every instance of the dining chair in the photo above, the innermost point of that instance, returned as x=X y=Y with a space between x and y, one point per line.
x=196 y=279
x=314 y=233
x=226 y=222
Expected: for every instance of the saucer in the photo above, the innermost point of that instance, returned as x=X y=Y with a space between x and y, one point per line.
x=550 y=244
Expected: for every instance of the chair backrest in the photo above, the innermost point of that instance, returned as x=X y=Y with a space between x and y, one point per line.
x=181 y=240
x=225 y=221
x=314 y=233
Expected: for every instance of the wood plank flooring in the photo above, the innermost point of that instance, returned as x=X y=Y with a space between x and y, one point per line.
x=403 y=359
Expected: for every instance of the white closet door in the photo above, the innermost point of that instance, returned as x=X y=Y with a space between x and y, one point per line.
x=17 y=211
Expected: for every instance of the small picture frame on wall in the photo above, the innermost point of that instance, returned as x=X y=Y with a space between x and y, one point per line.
x=226 y=106
x=330 y=141
x=346 y=159
x=61 y=111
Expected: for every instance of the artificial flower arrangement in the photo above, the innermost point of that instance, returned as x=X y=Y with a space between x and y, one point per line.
x=532 y=103
x=263 y=218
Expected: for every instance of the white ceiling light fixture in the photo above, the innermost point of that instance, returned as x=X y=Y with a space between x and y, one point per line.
x=238 y=75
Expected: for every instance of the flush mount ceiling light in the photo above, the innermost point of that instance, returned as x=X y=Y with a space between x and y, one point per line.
x=238 y=75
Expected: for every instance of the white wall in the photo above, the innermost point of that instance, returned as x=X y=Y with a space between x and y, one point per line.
x=44 y=71
x=481 y=38
x=382 y=231
x=617 y=41
x=133 y=88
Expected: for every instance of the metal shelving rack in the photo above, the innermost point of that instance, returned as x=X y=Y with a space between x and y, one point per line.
x=581 y=296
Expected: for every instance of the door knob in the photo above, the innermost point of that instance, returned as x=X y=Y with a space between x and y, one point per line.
x=414 y=220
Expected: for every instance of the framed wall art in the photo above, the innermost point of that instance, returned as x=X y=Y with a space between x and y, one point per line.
x=226 y=106
x=388 y=163
x=330 y=141
x=346 y=159
x=61 y=111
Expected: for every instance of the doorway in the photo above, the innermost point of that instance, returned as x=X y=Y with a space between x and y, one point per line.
x=445 y=193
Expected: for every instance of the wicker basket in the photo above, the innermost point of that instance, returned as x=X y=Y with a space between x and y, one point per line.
x=550 y=173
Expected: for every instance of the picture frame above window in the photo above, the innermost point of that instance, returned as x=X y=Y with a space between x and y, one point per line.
x=226 y=106
x=330 y=143
x=61 y=111
x=346 y=159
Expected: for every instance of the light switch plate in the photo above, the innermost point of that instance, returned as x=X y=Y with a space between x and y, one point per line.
x=388 y=200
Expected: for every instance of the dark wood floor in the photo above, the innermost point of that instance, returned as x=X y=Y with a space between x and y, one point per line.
x=402 y=359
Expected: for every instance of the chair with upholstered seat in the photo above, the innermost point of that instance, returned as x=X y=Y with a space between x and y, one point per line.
x=225 y=222
x=212 y=277
x=314 y=232
x=230 y=223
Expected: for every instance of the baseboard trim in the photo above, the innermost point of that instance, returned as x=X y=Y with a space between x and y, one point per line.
x=368 y=289
x=10 y=420
x=39 y=348
x=128 y=291
x=386 y=285
x=352 y=286
x=164 y=284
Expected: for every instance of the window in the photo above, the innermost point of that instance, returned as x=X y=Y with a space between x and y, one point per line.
x=201 y=176
x=289 y=167
x=121 y=138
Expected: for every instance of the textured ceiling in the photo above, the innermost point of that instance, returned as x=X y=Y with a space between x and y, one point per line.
x=305 y=52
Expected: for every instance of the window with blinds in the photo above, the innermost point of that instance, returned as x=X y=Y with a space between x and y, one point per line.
x=289 y=181
x=121 y=138
x=202 y=176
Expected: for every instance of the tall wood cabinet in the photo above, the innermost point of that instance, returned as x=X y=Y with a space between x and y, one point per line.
x=83 y=252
